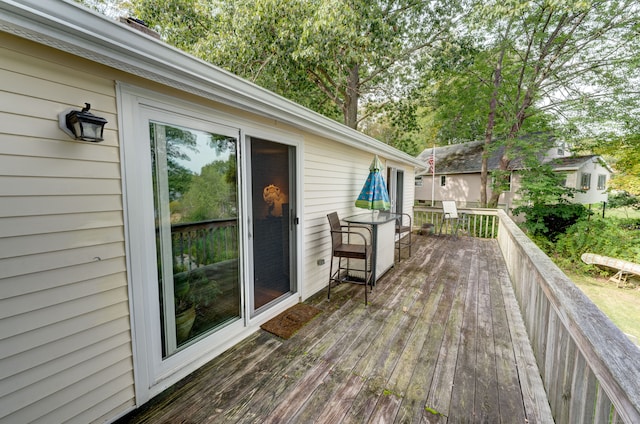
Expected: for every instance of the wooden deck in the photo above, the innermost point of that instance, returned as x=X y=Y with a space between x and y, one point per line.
x=441 y=341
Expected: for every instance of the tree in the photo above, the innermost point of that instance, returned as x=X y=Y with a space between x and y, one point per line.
x=178 y=142
x=564 y=60
x=210 y=196
x=623 y=152
x=328 y=55
x=545 y=201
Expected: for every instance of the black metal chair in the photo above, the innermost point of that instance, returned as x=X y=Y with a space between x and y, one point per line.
x=343 y=248
x=403 y=225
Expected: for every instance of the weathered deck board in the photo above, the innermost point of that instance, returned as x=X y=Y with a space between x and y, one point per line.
x=440 y=341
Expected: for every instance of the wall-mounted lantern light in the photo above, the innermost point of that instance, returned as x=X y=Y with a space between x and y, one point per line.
x=81 y=124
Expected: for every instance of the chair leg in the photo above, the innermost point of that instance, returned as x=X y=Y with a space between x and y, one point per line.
x=366 y=281
x=330 y=278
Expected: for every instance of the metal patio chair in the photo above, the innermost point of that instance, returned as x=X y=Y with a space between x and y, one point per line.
x=344 y=246
x=403 y=225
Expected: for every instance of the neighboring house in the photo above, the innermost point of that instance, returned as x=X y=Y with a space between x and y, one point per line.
x=457 y=175
x=590 y=174
x=97 y=261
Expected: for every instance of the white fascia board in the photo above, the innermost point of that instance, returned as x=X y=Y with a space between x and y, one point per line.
x=66 y=26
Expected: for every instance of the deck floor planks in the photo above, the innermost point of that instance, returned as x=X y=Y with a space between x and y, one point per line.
x=510 y=404
x=436 y=408
x=463 y=392
x=436 y=332
x=486 y=402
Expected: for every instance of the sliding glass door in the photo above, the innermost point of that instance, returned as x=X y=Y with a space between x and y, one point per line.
x=211 y=237
x=196 y=226
x=272 y=169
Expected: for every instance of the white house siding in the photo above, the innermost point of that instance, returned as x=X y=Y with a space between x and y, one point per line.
x=464 y=188
x=408 y=190
x=333 y=177
x=593 y=195
x=65 y=341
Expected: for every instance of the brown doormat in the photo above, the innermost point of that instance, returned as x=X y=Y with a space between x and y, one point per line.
x=287 y=323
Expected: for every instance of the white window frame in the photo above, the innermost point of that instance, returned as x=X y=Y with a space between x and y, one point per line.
x=585 y=176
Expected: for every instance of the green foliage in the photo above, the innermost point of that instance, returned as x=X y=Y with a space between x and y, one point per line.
x=326 y=55
x=433 y=411
x=210 y=195
x=545 y=202
x=490 y=69
x=552 y=220
x=194 y=288
x=622 y=153
x=521 y=66
x=623 y=199
x=607 y=237
x=540 y=185
x=177 y=142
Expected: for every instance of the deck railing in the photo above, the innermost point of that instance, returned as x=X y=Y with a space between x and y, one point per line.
x=590 y=369
x=204 y=242
x=477 y=222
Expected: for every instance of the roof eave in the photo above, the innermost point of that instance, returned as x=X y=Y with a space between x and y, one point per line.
x=73 y=29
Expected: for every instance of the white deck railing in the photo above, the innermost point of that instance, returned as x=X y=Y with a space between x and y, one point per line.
x=590 y=369
x=477 y=222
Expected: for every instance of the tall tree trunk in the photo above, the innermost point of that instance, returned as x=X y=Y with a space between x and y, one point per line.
x=352 y=95
x=513 y=133
x=488 y=134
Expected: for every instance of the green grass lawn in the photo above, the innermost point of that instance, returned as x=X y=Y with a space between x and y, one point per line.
x=624 y=212
x=621 y=305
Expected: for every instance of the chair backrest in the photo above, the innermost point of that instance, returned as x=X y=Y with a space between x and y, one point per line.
x=449 y=209
x=334 y=224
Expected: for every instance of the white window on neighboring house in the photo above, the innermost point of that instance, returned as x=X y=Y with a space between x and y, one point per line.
x=443 y=180
x=585 y=181
x=419 y=181
x=602 y=181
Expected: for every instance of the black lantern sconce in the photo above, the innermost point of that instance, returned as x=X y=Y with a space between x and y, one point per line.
x=82 y=125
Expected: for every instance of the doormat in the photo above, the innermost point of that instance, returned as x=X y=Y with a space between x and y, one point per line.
x=287 y=323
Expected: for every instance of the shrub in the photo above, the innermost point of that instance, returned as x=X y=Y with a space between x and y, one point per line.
x=551 y=221
x=607 y=237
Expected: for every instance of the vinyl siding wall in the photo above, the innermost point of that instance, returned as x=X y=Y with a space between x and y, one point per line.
x=65 y=341
x=333 y=177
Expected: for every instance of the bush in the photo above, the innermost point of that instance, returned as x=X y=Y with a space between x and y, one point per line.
x=550 y=221
x=623 y=199
x=607 y=237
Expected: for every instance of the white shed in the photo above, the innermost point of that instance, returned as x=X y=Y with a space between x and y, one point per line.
x=103 y=244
